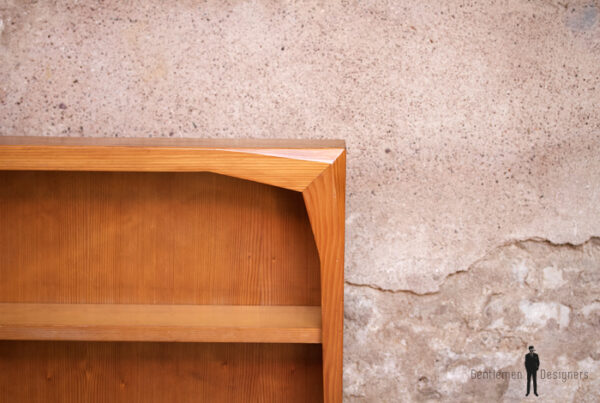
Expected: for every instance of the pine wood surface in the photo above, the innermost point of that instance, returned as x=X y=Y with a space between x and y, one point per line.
x=325 y=203
x=153 y=238
x=173 y=323
x=155 y=222
x=101 y=372
x=255 y=160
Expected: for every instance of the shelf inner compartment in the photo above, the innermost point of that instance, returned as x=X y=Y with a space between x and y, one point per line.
x=163 y=323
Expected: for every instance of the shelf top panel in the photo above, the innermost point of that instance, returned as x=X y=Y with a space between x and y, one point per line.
x=290 y=164
x=165 y=323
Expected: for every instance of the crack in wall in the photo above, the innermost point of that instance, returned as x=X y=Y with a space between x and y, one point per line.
x=514 y=242
x=388 y=290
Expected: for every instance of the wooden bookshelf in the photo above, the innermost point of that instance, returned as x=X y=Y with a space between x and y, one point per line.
x=143 y=258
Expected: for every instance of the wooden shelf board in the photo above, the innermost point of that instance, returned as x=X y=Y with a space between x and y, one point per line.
x=287 y=164
x=168 y=323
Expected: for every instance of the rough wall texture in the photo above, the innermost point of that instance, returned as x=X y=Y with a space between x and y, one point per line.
x=473 y=135
x=529 y=292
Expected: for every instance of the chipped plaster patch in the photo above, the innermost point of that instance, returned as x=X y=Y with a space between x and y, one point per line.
x=520 y=271
x=553 y=278
x=537 y=314
x=587 y=309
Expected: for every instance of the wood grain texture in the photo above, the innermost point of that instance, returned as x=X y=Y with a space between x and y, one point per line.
x=152 y=227
x=290 y=168
x=325 y=203
x=153 y=238
x=96 y=372
x=175 y=323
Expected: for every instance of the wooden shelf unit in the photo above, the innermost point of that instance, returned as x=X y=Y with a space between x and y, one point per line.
x=200 y=245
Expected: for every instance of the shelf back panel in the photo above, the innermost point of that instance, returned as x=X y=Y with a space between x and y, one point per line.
x=153 y=238
x=159 y=372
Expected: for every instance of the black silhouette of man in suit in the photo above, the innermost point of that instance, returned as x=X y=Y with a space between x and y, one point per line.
x=532 y=363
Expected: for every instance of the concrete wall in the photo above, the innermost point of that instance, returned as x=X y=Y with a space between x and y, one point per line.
x=473 y=132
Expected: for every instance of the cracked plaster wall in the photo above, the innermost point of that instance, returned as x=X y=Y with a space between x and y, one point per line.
x=473 y=136
x=526 y=292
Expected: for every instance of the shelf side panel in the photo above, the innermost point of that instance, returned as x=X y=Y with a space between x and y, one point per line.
x=325 y=203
